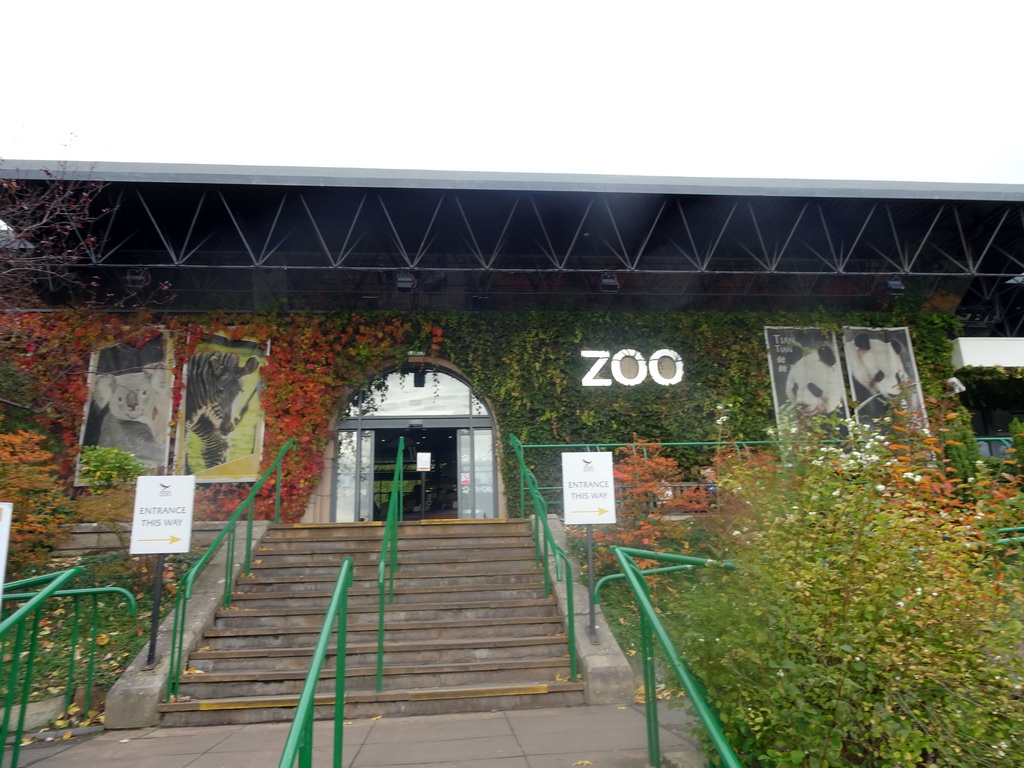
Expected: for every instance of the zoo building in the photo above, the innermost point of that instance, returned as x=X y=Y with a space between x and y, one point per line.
x=437 y=322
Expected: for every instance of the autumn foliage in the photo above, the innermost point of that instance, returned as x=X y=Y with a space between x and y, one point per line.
x=649 y=498
x=28 y=481
x=315 y=363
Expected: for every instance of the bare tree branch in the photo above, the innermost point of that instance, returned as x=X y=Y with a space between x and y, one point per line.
x=47 y=229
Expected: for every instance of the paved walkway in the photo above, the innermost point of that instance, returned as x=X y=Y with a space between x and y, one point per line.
x=606 y=736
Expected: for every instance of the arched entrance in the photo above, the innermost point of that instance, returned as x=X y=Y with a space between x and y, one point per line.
x=438 y=414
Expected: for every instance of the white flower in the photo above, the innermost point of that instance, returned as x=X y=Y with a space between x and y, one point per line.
x=879 y=488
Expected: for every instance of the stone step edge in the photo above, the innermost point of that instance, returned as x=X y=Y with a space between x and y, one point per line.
x=422 y=544
x=390 y=670
x=412 y=646
x=399 y=588
x=525 y=602
x=537 y=588
x=434 y=624
x=374 y=561
x=353 y=697
x=511 y=521
x=331 y=578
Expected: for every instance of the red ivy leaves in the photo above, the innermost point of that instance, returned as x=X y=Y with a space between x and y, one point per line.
x=315 y=362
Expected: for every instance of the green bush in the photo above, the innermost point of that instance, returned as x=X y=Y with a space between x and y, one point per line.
x=872 y=622
x=108 y=467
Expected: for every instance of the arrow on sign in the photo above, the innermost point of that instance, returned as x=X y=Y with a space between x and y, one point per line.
x=598 y=511
x=169 y=539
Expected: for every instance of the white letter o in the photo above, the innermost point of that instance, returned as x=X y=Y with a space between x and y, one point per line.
x=652 y=365
x=641 y=367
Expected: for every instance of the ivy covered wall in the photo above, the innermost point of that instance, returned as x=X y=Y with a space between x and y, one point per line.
x=527 y=364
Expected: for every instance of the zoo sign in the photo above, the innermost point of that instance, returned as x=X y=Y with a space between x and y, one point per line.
x=628 y=367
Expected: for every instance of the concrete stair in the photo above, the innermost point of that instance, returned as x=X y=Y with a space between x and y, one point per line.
x=469 y=628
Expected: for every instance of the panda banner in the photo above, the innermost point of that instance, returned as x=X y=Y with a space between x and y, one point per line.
x=883 y=374
x=807 y=379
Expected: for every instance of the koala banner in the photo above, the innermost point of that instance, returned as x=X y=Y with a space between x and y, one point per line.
x=807 y=379
x=129 y=404
x=220 y=433
x=882 y=374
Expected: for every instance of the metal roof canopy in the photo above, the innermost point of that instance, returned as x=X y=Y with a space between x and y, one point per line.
x=239 y=238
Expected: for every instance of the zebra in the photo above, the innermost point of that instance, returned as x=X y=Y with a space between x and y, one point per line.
x=214 y=383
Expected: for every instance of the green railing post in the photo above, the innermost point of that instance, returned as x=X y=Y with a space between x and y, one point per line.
x=299 y=742
x=229 y=567
x=25 y=622
x=691 y=685
x=277 y=496
x=388 y=562
x=247 y=506
x=650 y=691
x=552 y=552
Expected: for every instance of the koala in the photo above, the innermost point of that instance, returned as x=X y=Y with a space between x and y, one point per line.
x=876 y=368
x=129 y=411
x=815 y=383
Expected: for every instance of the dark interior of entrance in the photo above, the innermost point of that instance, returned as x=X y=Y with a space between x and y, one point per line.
x=431 y=494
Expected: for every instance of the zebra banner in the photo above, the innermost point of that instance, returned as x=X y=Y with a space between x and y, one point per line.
x=883 y=374
x=220 y=433
x=807 y=380
x=129 y=403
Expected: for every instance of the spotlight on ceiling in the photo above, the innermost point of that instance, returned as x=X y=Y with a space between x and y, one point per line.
x=609 y=283
x=405 y=282
x=137 y=278
x=895 y=286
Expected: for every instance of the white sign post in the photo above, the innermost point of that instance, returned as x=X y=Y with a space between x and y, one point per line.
x=422 y=462
x=588 y=498
x=161 y=525
x=423 y=466
x=6 y=514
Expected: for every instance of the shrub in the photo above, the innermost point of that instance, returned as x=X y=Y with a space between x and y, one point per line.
x=648 y=489
x=108 y=467
x=873 y=621
x=28 y=479
x=111 y=473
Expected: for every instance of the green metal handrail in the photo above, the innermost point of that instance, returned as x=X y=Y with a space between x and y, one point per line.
x=618 y=576
x=387 y=566
x=18 y=622
x=77 y=594
x=299 y=744
x=187 y=583
x=651 y=627
x=546 y=549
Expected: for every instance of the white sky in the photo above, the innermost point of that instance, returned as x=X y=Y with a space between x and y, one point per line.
x=873 y=89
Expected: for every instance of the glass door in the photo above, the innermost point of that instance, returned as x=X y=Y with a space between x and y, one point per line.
x=439 y=416
x=353 y=487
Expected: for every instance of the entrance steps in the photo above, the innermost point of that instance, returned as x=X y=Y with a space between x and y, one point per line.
x=469 y=628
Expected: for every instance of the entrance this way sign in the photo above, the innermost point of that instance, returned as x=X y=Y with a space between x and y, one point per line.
x=588 y=498
x=588 y=488
x=162 y=523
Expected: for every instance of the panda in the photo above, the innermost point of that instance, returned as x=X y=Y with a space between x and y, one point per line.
x=815 y=383
x=876 y=368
